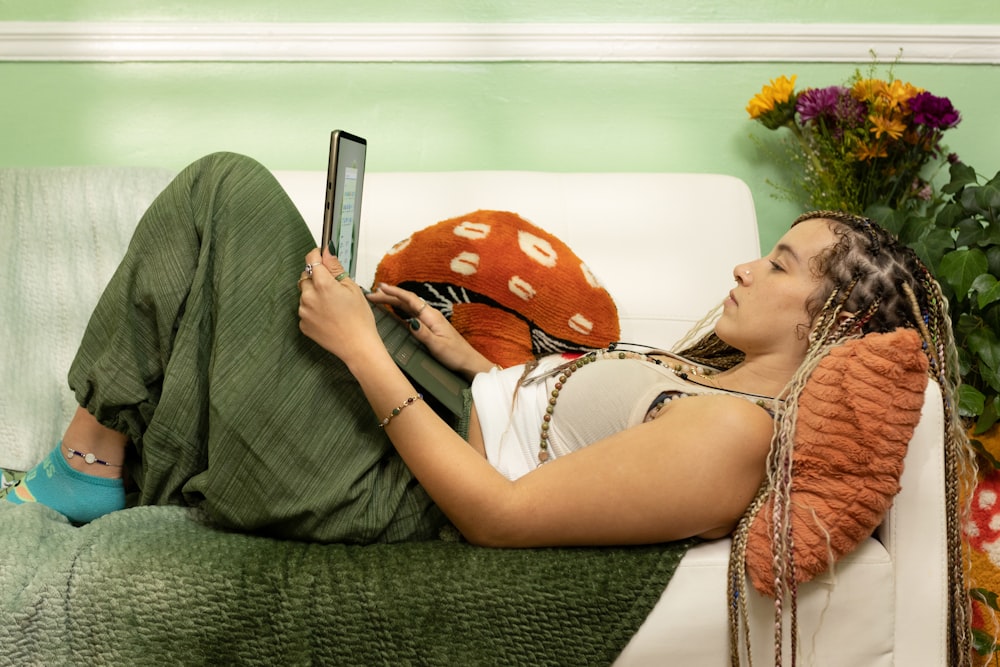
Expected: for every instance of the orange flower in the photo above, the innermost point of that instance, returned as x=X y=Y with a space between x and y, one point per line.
x=890 y=125
x=866 y=152
x=860 y=143
x=868 y=90
x=898 y=93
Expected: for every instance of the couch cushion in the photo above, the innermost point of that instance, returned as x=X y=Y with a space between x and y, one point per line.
x=845 y=616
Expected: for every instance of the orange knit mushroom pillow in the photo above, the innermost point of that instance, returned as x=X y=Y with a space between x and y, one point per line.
x=856 y=416
x=512 y=289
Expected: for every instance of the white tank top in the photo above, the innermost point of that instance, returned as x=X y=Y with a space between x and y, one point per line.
x=603 y=398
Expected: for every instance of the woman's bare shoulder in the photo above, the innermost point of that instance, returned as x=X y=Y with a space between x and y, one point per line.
x=722 y=420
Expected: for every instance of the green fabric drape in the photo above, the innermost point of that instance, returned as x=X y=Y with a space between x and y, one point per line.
x=153 y=586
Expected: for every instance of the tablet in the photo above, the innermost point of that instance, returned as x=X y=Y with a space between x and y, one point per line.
x=341 y=225
x=345 y=176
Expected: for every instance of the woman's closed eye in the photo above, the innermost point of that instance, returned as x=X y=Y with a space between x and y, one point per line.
x=775 y=266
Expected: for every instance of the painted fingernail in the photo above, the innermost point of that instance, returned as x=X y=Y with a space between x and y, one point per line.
x=414 y=323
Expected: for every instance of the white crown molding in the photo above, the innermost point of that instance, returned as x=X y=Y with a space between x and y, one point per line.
x=496 y=42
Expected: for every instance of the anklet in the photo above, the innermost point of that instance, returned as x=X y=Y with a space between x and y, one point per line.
x=89 y=458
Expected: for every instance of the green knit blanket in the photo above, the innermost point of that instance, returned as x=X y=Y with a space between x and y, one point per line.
x=156 y=586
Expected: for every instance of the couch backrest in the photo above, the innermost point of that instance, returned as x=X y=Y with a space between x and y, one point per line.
x=915 y=535
x=664 y=245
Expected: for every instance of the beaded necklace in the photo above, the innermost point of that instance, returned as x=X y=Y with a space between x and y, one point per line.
x=683 y=369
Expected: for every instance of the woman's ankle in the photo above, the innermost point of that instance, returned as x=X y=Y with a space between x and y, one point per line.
x=92 y=448
x=90 y=461
x=79 y=496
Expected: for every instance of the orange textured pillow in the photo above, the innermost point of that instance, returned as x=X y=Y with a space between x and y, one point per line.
x=856 y=416
x=512 y=289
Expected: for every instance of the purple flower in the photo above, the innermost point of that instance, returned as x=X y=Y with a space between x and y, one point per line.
x=933 y=112
x=833 y=103
x=818 y=102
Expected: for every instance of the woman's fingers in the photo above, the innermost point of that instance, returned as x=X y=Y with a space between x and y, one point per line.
x=333 y=311
x=325 y=261
x=333 y=265
x=398 y=297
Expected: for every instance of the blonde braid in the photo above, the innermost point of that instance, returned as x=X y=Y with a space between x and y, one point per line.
x=960 y=476
x=898 y=291
x=737 y=583
x=924 y=308
x=780 y=476
x=776 y=486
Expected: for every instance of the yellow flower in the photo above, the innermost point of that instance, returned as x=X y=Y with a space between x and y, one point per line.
x=769 y=97
x=890 y=125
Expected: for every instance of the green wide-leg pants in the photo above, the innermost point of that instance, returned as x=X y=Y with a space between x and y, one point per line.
x=194 y=353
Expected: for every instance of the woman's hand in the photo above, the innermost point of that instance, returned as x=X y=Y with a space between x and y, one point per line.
x=434 y=330
x=333 y=311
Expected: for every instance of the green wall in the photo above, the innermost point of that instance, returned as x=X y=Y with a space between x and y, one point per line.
x=442 y=116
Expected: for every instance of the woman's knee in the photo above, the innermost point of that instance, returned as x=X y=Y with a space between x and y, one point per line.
x=224 y=163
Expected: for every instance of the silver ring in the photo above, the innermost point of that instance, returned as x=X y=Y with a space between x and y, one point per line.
x=309 y=270
x=423 y=304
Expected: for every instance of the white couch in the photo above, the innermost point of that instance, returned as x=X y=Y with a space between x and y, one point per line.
x=664 y=245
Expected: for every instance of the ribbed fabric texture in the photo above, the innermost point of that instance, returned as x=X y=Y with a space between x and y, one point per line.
x=194 y=351
x=856 y=416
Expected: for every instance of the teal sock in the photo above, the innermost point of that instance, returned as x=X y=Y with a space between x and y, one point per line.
x=80 y=497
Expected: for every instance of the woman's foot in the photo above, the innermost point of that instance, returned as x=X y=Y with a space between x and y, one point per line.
x=79 y=496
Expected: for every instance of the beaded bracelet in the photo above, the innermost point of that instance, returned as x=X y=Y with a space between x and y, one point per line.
x=395 y=411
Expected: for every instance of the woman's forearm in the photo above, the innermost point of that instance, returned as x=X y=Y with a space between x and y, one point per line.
x=471 y=493
x=336 y=315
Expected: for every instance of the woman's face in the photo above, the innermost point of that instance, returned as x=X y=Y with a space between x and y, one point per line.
x=766 y=312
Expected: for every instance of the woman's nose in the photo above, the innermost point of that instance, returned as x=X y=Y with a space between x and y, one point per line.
x=742 y=273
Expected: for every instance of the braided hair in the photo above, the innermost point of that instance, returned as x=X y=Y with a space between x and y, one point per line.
x=870 y=282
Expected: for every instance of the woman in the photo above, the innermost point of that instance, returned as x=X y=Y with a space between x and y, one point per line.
x=194 y=375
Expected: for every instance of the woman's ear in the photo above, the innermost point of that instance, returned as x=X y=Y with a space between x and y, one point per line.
x=843 y=316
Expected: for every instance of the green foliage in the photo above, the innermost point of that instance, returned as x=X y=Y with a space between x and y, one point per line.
x=958 y=238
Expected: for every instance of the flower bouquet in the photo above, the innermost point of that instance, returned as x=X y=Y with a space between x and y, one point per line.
x=857 y=144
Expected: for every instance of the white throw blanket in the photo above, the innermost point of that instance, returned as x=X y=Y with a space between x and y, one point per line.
x=63 y=231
